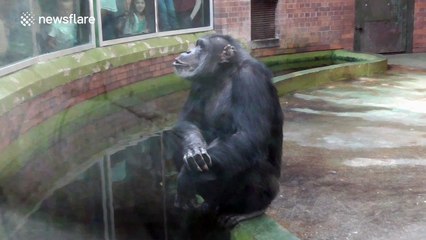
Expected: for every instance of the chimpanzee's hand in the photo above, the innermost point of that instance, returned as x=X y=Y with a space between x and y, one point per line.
x=196 y=158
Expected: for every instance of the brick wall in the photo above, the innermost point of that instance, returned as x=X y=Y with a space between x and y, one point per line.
x=419 y=35
x=307 y=25
x=301 y=25
x=31 y=113
x=233 y=18
x=311 y=25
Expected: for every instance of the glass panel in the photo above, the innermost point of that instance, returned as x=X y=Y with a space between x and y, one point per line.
x=137 y=191
x=182 y=14
x=167 y=15
x=74 y=211
x=63 y=24
x=32 y=27
x=123 y=18
x=16 y=41
x=192 y=13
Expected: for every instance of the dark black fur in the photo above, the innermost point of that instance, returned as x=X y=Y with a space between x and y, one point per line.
x=233 y=113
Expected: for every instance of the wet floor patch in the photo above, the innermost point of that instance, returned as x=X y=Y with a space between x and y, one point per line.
x=369 y=162
x=354 y=159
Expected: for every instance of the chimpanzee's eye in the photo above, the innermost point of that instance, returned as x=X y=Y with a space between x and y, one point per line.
x=201 y=43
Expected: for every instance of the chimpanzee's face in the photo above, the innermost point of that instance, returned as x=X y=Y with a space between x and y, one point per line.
x=188 y=63
x=204 y=59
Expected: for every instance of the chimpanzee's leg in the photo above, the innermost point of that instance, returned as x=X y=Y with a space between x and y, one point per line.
x=241 y=197
x=208 y=184
x=200 y=219
x=250 y=199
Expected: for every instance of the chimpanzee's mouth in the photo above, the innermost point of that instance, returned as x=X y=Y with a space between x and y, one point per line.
x=178 y=63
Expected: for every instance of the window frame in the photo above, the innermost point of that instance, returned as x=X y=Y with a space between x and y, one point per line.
x=96 y=38
x=158 y=33
x=19 y=65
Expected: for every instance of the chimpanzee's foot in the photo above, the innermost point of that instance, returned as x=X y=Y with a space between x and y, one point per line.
x=229 y=221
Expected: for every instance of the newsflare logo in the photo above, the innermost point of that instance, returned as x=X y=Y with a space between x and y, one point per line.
x=28 y=19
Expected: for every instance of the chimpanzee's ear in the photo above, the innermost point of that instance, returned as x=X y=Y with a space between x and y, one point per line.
x=227 y=53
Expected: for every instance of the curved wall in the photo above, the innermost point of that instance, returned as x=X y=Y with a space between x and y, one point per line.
x=43 y=91
x=59 y=117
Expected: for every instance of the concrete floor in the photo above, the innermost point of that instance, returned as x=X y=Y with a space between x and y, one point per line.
x=415 y=60
x=355 y=159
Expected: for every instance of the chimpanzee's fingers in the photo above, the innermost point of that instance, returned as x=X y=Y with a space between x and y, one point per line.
x=206 y=157
x=201 y=162
x=197 y=159
x=192 y=164
x=189 y=161
x=193 y=160
x=186 y=156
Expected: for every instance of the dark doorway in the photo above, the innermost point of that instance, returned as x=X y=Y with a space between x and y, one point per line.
x=384 y=26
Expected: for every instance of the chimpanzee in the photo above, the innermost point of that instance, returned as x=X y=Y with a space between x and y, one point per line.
x=230 y=130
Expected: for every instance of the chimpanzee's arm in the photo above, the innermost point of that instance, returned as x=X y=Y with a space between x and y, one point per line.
x=254 y=107
x=195 y=155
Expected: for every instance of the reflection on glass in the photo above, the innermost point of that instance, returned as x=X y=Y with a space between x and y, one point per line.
x=124 y=195
x=137 y=20
x=32 y=27
x=167 y=15
x=124 y=18
x=19 y=40
x=108 y=14
x=72 y=212
x=121 y=18
x=192 y=13
x=62 y=35
x=63 y=24
x=137 y=191
x=186 y=11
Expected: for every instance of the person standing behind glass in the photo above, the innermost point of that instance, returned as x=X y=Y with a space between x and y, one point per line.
x=186 y=11
x=137 y=22
x=167 y=15
x=62 y=35
x=108 y=9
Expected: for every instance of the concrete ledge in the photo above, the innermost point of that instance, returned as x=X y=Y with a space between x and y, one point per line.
x=265 y=43
x=348 y=65
x=261 y=228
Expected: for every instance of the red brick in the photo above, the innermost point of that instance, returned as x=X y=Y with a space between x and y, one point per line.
x=419 y=35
